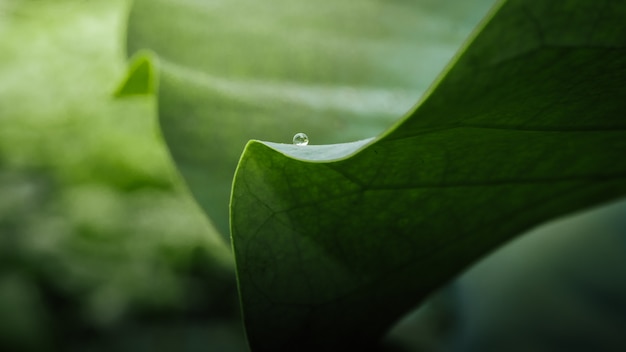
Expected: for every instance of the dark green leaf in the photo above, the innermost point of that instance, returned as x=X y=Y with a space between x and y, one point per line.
x=527 y=125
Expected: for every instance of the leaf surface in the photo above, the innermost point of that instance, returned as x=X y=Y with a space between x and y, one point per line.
x=339 y=70
x=527 y=125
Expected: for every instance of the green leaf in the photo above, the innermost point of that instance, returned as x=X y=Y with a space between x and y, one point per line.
x=141 y=78
x=235 y=70
x=334 y=243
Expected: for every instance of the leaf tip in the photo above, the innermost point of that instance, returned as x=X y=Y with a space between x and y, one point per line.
x=141 y=77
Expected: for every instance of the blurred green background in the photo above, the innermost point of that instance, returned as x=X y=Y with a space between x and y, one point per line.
x=101 y=247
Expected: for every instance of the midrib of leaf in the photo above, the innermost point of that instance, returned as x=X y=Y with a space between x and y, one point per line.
x=364 y=100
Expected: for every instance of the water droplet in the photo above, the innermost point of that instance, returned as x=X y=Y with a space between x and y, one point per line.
x=300 y=139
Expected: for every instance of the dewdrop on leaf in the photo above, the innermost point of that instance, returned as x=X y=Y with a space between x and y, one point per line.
x=300 y=139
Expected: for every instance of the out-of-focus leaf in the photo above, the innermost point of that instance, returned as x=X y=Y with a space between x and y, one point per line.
x=338 y=70
x=141 y=77
x=333 y=243
x=95 y=232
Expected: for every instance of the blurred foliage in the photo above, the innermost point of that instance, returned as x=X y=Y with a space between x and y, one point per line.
x=98 y=237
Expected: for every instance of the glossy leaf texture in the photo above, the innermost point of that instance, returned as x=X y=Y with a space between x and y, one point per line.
x=334 y=243
x=339 y=70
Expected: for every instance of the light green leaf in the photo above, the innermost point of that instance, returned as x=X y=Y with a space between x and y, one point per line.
x=95 y=231
x=527 y=125
x=141 y=78
x=236 y=70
